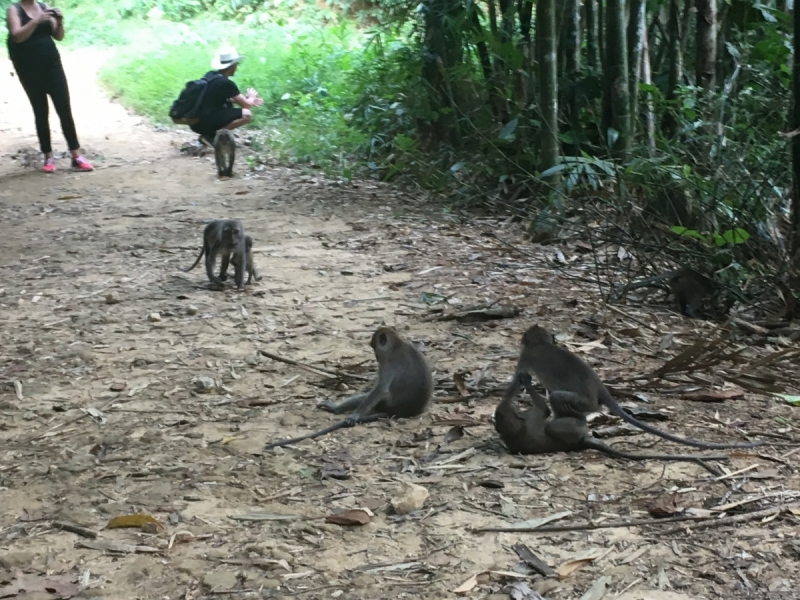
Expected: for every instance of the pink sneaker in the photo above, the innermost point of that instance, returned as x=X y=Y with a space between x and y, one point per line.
x=81 y=164
x=49 y=166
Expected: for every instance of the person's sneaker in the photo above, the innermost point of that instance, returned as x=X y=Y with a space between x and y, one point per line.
x=49 y=165
x=81 y=164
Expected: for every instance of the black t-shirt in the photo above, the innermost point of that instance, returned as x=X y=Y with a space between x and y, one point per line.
x=39 y=50
x=220 y=91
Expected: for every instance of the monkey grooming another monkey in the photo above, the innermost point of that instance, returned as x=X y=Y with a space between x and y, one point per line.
x=580 y=390
x=251 y=265
x=224 y=152
x=403 y=389
x=530 y=432
x=224 y=238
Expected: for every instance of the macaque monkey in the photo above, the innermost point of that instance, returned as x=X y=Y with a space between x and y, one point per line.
x=530 y=432
x=224 y=238
x=251 y=265
x=224 y=152
x=577 y=388
x=689 y=287
x=403 y=389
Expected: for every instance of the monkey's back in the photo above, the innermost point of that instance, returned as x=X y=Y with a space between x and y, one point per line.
x=559 y=369
x=411 y=390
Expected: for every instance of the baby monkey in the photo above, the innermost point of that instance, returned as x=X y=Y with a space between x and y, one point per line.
x=251 y=265
x=224 y=152
x=530 y=432
x=579 y=389
x=224 y=238
x=403 y=389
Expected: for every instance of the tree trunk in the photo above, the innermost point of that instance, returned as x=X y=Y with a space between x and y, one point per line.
x=636 y=43
x=548 y=81
x=617 y=83
x=443 y=51
x=675 y=61
x=592 y=52
x=794 y=120
x=573 y=55
x=649 y=110
x=705 y=64
x=568 y=85
x=524 y=80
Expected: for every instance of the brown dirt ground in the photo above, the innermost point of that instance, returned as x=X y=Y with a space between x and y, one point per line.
x=336 y=261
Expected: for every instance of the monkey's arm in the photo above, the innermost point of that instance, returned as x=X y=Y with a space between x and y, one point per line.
x=524 y=380
x=330 y=428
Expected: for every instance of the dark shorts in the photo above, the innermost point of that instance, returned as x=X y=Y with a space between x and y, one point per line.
x=210 y=124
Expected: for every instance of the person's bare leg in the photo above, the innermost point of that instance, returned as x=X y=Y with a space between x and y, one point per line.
x=247 y=116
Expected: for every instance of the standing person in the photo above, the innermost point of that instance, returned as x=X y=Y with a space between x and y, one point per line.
x=32 y=27
x=216 y=110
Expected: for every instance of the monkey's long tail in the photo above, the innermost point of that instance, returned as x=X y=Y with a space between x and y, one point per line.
x=625 y=416
x=329 y=429
x=202 y=250
x=700 y=460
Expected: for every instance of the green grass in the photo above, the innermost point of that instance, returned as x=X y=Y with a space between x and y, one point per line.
x=301 y=71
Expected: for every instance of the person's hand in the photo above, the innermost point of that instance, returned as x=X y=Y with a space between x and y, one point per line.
x=43 y=17
x=56 y=13
x=252 y=97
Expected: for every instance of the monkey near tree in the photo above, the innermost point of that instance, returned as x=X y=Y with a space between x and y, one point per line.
x=530 y=432
x=224 y=152
x=690 y=288
x=404 y=387
x=226 y=239
x=575 y=389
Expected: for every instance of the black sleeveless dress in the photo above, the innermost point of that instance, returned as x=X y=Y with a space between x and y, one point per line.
x=38 y=51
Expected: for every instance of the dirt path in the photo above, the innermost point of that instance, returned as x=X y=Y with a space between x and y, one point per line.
x=336 y=262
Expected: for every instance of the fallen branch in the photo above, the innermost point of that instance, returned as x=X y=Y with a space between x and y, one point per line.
x=315 y=370
x=735 y=519
x=585 y=526
x=706 y=522
x=71 y=527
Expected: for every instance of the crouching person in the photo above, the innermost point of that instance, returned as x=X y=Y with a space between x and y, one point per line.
x=206 y=105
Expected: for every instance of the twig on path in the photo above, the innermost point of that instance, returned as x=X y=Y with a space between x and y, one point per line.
x=316 y=370
x=742 y=518
x=621 y=312
x=86 y=413
x=509 y=244
x=584 y=526
x=71 y=527
x=702 y=522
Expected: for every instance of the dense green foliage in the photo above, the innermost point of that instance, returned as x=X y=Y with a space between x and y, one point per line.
x=300 y=72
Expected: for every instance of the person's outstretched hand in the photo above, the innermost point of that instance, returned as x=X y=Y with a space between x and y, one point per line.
x=252 y=97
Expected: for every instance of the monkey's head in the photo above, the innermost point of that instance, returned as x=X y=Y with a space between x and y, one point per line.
x=385 y=340
x=248 y=243
x=536 y=336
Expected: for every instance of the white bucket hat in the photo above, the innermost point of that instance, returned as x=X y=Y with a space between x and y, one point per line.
x=225 y=58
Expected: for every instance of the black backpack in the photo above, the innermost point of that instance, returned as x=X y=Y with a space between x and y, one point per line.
x=186 y=109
